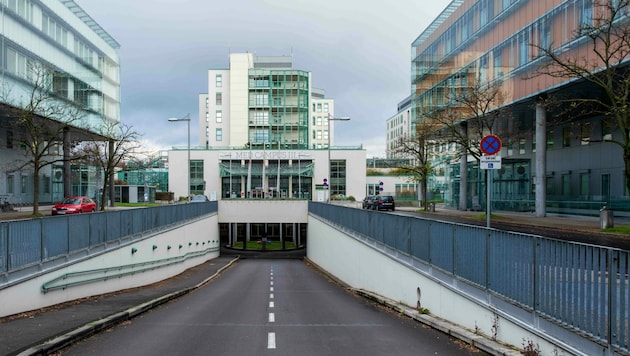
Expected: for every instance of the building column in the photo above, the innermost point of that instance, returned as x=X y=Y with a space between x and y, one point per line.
x=463 y=170
x=541 y=160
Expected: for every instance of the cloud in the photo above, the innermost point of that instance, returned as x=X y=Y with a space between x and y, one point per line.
x=357 y=51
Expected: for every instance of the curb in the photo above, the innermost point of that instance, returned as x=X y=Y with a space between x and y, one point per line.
x=96 y=326
x=458 y=332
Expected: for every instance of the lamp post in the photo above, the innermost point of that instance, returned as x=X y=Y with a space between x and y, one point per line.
x=187 y=119
x=331 y=118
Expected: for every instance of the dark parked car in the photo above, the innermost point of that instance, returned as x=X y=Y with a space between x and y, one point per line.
x=74 y=205
x=384 y=202
x=368 y=202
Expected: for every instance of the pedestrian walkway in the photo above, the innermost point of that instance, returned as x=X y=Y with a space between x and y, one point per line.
x=551 y=221
x=56 y=326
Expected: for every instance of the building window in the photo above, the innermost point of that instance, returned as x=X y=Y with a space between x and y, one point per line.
x=261 y=118
x=219 y=134
x=18 y=64
x=566 y=184
x=545 y=34
x=10 y=184
x=9 y=139
x=566 y=136
x=586 y=13
x=550 y=186
x=54 y=30
x=319 y=107
x=46 y=184
x=607 y=129
x=197 y=183
x=261 y=99
x=521 y=146
x=606 y=185
x=218 y=80
x=585 y=133
x=219 y=116
x=337 y=177
x=219 y=98
x=24 y=8
x=584 y=184
x=325 y=107
x=261 y=136
x=483 y=69
x=261 y=82
x=524 y=48
x=550 y=139
x=23 y=184
x=485 y=12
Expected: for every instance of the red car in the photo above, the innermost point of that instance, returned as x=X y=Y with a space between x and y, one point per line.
x=74 y=205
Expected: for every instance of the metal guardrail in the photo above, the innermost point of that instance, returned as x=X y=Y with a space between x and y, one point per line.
x=584 y=288
x=103 y=274
x=30 y=243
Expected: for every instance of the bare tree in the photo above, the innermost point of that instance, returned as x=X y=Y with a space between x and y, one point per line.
x=417 y=149
x=473 y=111
x=123 y=144
x=603 y=67
x=477 y=108
x=38 y=120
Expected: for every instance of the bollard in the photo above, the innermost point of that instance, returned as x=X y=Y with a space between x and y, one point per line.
x=606 y=218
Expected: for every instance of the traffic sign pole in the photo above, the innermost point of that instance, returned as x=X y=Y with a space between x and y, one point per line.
x=489 y=194
x=490 y=145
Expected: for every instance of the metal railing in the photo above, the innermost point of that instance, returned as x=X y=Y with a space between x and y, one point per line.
x=581 y=287
x=33 y=242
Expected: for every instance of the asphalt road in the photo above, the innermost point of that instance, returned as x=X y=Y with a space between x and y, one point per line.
x=279 y=307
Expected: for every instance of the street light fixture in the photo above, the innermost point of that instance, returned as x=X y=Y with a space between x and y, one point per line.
x=187 y=119
x=331 y=118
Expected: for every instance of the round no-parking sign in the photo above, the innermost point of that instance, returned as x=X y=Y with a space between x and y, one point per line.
x=490 y=145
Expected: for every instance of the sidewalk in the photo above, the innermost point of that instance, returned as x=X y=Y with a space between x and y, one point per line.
x=54 y=327
x=565 y=222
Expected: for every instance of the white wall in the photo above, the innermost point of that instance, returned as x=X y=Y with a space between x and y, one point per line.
x=177 y=170
x=362 y=266
x=28 y=295
x=263 y=211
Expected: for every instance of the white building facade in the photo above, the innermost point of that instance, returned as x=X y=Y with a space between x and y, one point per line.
x=266 y=133
x=398 y=128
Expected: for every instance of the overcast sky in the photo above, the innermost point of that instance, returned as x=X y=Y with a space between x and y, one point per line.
x=357 y=51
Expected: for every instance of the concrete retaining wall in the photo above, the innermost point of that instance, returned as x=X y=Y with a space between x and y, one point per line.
x=199 y=241
x=360 y=265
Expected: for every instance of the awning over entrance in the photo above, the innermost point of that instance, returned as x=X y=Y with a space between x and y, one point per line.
x=304 y=169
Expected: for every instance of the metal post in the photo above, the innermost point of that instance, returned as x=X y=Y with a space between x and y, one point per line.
x=489 y=194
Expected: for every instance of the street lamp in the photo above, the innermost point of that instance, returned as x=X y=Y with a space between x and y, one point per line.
x=187 y=119
x=331 y=118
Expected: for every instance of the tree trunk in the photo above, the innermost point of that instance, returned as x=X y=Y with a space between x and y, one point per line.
x=626 y=161
x=424 y=190
x=36 y=187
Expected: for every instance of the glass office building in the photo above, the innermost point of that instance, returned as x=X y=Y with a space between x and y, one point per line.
x=76 y=58
x=564 y=163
